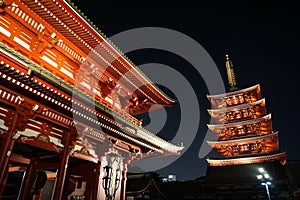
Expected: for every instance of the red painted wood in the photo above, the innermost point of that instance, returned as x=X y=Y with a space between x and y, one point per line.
x=62 y=170
x=6 y=150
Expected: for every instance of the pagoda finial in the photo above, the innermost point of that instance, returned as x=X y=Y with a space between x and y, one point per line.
x=230 y=74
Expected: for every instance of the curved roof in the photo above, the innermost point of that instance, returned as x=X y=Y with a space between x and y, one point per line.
x=237 y=107
x=239 y=123
x=67 y=20
x=143 y=183
x=216 y=96
x=248 y=160
x=138 y=182
x=142 y=137
x=237 y=141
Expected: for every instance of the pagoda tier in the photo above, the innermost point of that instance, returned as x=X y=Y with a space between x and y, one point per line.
x=239 y=112
x=243 y=127
x=259 y=126
x=247 y=95
x=246 y=146
x=281 y=157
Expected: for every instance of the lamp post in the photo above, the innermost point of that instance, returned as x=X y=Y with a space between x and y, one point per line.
x=111 y=181
x=112 y=176
x=264 y=177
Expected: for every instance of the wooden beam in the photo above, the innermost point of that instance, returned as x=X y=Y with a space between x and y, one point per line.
x=51 y=176
x=19 y=159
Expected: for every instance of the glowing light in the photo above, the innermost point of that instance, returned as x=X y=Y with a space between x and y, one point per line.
x=259 y=176
x=49 y=61
x=5 y=32
x=21 y=42
x=261 y=170
x=266 y=175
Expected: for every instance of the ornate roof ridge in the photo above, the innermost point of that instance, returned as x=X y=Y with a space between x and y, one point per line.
x=86 y=36
x=230 y=108
x=243 y=140
x=244 y=122
x=119 y=51
x=234 y=92
x=85 y=17
x=280 y=156
x=250 y=156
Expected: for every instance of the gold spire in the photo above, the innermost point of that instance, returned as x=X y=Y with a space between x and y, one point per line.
x=230 y=74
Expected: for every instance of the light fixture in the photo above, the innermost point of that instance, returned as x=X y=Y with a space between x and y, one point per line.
x=266 y=175
x=261 y=170
x=259 y=176
x=266 y=183
x=264 y=180
x=111 y=178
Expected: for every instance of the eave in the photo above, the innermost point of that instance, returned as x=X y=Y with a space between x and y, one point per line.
x=141 y=137
x=240 y=141
x=65 y=18
x=213 y=127
x=238 y=107
x=217 y=96
x=249 y=160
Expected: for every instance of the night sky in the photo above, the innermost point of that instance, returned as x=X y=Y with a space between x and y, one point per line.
x=259 y=36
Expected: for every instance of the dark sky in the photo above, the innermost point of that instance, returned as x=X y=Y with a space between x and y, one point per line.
x=259 y=36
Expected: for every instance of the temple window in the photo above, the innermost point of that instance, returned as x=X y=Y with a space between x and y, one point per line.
x=238 y=114
x=244 y=147
x=257 y=127
x=250 y=112
x=250 y=129
x=241 y=130
x=245 y=113
x=232 y=131
x=235 y=149
x=247 y=98
x=252 y=147
x=229 y=116
x=235 y=100
x=253 y=96
x=241 y=99
x=228 y=101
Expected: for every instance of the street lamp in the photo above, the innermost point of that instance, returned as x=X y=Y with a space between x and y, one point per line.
x=264 y=178
x=112 y=176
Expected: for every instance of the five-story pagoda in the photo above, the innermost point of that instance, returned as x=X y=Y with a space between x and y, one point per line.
x=243 y=126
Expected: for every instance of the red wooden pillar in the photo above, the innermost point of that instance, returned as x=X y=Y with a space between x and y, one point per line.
x=27 y=182
x=6 y=149
x=62 y=170
x=123 y=183
x=98 y=182
x=90 y=174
